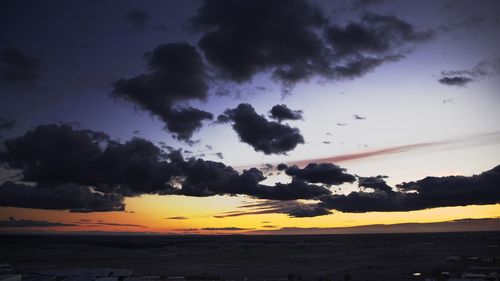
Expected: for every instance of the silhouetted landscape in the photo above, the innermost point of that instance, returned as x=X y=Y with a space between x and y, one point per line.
x=311 y=257
x=249 y=140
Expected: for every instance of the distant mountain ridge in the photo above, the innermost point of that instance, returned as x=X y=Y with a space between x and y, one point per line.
x=462 y=225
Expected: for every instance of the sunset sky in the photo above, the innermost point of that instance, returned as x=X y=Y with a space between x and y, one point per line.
x=219 y=116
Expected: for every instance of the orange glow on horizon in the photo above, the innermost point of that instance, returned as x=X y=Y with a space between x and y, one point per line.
x=149 y=214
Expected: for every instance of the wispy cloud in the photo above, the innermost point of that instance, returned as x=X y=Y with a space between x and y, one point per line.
x=292 y=208
x=176 y=218
x=228 y=228
x=465 y=76
x=476 y=140
x=91 y=223
x=120 y=224
x=13 y=222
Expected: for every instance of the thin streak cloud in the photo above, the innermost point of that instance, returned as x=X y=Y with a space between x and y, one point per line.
x=476 y=140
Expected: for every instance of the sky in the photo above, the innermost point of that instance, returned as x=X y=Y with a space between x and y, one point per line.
x=233 y=117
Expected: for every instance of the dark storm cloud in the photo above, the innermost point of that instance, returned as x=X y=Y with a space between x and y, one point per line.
x=297 y=189
x=456 y=190
x=13 y=222
x=325 y=173
x=455 y=80
x=208 y=178
x=243 y=38
x=263 y=135
x=376 y=183
x=361 y=202
x=183 y=122
x=430 y=192
x=362 y=4
x=7 y=124
x=374 y=34
x=63 y=162
x=281 y=112
x=295 y=42
x=306 y=211
x=267 y=167
x=223 y=119
x=85 y=171
x=61 y=154
x=16 y=67
x=360 y=47
x=59 y=197
x=290 y=208
x=137 y=18
x=176 y=73
x=281 y=167
x=358 y=65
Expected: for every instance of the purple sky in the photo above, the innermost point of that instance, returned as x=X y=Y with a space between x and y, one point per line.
x=360 y=76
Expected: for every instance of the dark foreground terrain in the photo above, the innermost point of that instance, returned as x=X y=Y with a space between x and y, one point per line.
x=313 y=257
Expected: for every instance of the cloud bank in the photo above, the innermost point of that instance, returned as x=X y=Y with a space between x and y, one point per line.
x=176 y=73
x=239 y=40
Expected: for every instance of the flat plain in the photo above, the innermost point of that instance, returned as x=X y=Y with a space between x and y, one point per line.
x=312 y=257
